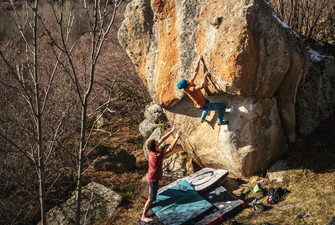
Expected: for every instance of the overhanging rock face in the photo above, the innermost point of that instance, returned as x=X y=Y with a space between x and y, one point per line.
x=256 y=61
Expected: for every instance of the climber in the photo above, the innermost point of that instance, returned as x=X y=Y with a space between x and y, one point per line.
x=194 y=92
x=155 y=171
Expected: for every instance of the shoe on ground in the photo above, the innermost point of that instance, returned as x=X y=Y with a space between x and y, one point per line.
x=203 y=121
x=223 y=123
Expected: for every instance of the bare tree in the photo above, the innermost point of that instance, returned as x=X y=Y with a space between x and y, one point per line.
x=33 y=96
x=306 y=17
x=99 y=32
x=42 y=87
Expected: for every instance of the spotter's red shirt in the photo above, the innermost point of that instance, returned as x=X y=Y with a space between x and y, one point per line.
x=155 y=171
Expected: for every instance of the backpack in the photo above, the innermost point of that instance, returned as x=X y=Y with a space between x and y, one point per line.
x=276 y=195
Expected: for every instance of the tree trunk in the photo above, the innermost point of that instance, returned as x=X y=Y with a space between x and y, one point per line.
x=81 y=160
x=40 y=169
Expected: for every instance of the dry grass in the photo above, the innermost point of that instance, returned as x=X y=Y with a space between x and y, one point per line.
x=310 y=201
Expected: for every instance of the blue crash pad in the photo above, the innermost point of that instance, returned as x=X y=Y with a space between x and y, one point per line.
x=179 y=204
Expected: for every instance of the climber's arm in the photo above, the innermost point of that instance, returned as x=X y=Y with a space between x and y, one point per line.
x=171 y=147
x=203 y=85
x=196 y=70
x=167 y=135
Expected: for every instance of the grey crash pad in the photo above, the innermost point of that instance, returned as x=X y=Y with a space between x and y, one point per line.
x=202 y=180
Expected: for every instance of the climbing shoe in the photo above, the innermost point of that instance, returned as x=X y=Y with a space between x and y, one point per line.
x=223 y=123
x=203 y=121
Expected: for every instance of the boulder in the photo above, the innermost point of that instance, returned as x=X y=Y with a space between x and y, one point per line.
x=252 y=140
x=324 y=48
x=146 y=128
x=277 y=170
x=154 y=113
x=316 y=98
x=98 y=202
x=119 y=159
x=250 y=53
x=175 y=165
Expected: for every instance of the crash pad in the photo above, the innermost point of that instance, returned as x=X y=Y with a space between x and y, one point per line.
x=164 y=188
x=332 y=222
x=225 y=204
x=180 y=204
x=202 y=180
x=206 y=178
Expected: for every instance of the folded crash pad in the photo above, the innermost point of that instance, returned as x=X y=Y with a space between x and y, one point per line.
x=225 y=206
x=202 y=180
x=180 y=204
x=206 y=178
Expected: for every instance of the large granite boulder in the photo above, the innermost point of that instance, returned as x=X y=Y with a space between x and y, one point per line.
x=154 y=116
x=176 y=165
x=316 y=98
x=154 y=113
x=256 y=62
x=146 y=128
x=98 y=202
